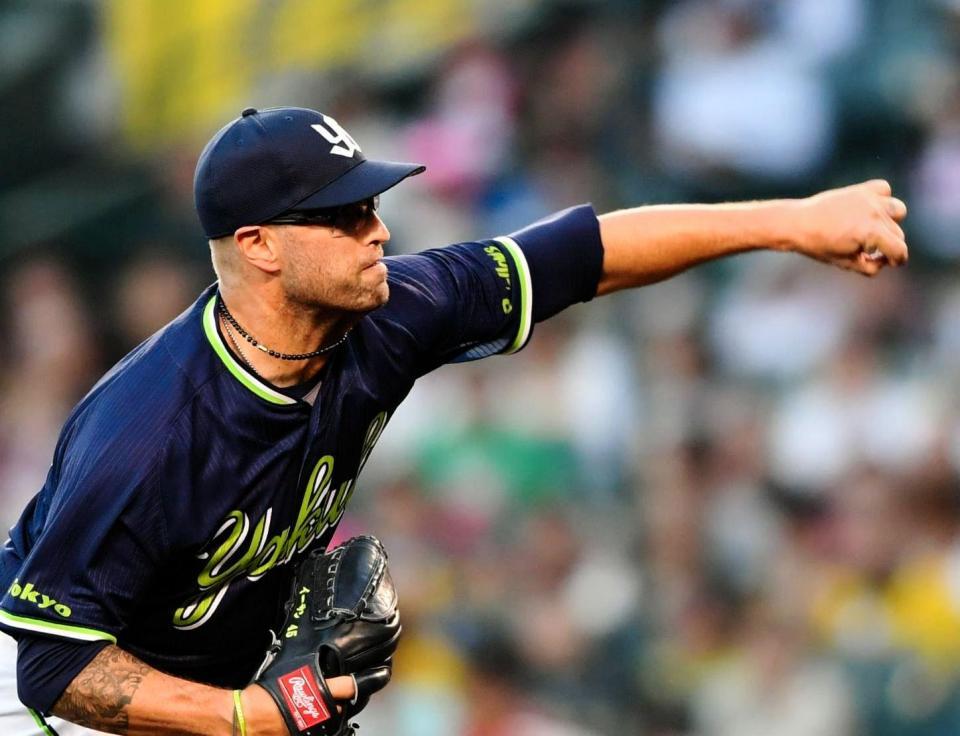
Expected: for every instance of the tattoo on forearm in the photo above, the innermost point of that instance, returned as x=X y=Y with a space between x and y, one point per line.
x=98 y=697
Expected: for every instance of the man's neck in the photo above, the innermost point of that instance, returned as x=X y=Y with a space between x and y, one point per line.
x=283 y=328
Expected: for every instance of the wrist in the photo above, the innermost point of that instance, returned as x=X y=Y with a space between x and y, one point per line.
x=784 y=226
x=261 y=713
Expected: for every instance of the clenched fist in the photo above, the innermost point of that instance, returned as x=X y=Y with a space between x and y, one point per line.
x=855 y=227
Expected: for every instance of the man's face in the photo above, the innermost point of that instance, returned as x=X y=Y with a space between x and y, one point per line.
x=332 y=268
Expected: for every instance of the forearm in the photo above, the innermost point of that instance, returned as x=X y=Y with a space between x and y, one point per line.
x=118 y=693
x=649 y=244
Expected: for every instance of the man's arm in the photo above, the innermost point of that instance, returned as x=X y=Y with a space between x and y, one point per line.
x=118 y=693
x=856 y=227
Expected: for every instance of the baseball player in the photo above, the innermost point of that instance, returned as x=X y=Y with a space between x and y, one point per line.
x=141 y=582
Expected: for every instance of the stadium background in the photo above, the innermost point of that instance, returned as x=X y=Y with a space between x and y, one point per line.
x=725 y=506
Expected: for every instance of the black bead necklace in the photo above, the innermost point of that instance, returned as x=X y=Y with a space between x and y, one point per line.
x=236 y=346
x=264 y=349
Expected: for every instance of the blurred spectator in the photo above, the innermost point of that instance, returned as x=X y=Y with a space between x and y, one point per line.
x=774 y=685
x=936 y=181
x=497 y=706
x=53 y=359
x=888 y=605
x=465 y=141
x=823 y=429
x=780 y=320
x=152 y=290
x=732 y=99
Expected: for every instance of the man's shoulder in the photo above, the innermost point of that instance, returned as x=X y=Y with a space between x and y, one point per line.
x=140 y=396
x=178 y=353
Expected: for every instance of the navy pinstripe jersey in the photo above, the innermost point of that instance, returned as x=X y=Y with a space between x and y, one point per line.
x=182 y=485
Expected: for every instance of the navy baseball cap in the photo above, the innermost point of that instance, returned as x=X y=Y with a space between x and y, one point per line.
x=267 y=162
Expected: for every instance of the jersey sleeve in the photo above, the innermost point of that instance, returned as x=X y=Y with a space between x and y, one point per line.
x=471 y=300
x=46 y=667
x=97 y=538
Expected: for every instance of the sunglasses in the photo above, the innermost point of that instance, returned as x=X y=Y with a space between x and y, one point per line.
x=348 y=218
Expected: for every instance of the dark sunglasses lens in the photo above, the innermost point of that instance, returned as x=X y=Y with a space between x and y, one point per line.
x=350 y=218
x=353 y=218
x=305 y=218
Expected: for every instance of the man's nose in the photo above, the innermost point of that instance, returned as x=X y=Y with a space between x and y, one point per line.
x=380 y=233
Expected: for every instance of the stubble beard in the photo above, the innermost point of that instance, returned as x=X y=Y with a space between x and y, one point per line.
x=315 y=292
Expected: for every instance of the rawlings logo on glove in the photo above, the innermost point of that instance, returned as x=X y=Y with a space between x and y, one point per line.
x=302 y=693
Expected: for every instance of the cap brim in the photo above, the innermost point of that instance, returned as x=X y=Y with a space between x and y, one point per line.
x=364 y=180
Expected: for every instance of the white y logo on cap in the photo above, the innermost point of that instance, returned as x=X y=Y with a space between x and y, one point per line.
x=343 y=143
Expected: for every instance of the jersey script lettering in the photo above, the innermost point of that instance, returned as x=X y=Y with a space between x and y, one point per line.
x=236 y=552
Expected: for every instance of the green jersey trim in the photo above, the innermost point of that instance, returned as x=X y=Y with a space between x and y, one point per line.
x=526 y=295
x=243 y=376
x=63 y=630
x=42 y=724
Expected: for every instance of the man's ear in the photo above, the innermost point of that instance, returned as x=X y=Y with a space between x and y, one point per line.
x=259 y=246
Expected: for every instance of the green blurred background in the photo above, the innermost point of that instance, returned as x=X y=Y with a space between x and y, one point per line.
x=722 y=506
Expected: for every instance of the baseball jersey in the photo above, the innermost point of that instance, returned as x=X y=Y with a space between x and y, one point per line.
x=183 y=486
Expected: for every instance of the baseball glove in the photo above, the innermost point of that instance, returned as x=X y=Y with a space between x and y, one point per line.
x=341 y=619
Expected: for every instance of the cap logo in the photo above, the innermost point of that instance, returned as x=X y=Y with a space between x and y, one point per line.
x=343 y=143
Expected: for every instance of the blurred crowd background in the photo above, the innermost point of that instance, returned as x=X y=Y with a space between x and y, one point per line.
x=726 y=505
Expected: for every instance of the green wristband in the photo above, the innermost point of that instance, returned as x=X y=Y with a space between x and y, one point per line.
x=238 y=718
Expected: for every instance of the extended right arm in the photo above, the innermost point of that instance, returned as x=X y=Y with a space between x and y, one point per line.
x=841 y=227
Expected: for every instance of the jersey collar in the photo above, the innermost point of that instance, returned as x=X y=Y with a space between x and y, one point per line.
x=249 y=381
